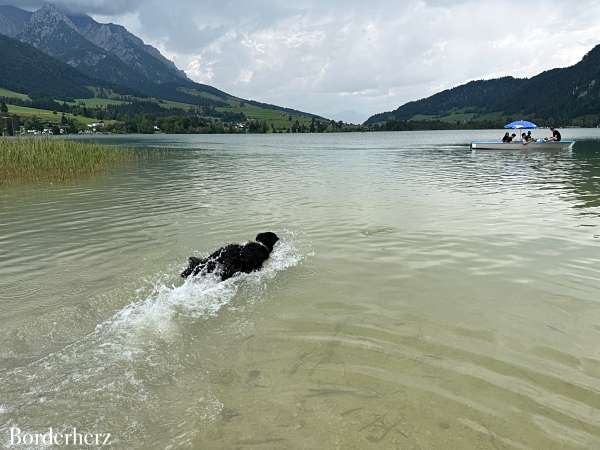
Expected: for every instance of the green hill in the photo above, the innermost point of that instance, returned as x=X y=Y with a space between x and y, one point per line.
x=51 y=117
x=27 y=70
x=58 y=61
x=566 y=96
x=35 y=85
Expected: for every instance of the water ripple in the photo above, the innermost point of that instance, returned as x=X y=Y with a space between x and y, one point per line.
x=450 y=298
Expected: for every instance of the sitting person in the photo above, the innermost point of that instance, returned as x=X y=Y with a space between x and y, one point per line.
x=506 y=138
x=555 y=135
x=529 y=137
x=513 y=136
x=524 y=138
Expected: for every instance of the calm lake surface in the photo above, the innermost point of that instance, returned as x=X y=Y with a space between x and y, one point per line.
x=422 y=296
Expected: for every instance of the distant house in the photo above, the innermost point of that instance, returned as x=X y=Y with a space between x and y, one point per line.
x=93 y=127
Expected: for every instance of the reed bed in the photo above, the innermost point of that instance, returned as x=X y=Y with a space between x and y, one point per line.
x=56 y=160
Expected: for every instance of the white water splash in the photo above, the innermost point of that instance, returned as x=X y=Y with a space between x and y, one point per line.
x=138 y=347
x=200 y=298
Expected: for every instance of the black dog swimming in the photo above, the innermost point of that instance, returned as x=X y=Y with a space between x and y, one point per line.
x=234 y=258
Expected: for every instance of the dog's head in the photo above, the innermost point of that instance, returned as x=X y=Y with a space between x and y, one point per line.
x=268 y=239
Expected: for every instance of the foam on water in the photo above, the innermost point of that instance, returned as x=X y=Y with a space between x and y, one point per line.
x=200 y=297
x=136 y=347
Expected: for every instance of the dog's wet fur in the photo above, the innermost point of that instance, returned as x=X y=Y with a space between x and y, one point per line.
x=234 y=258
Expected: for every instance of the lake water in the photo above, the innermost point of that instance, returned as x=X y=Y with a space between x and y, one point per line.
x=422 y=296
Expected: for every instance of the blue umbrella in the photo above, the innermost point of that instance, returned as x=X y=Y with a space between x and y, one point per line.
x=519 y=124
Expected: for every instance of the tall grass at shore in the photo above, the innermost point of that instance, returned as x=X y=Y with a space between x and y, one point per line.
x=44 y=159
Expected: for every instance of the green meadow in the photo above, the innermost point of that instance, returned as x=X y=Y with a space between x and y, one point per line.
x=279 y=119
x=169 y=104
x=12 y=94
x=46 y=114
x=96 y=102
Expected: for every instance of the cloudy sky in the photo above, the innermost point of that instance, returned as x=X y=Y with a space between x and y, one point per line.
x=348 y=59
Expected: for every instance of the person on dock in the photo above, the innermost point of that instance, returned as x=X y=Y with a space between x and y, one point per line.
x=529 y=137
x=506 y=139
x=524 y=139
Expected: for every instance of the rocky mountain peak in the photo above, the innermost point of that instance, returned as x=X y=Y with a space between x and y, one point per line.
x=50 y=14
x=13 y=20
x=130 y=49
x=46 y=21
x=105 y=51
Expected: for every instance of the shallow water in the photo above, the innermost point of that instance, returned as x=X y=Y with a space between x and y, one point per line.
x=422 y=296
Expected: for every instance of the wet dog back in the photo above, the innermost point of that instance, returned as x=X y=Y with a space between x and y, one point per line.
x=234 y=258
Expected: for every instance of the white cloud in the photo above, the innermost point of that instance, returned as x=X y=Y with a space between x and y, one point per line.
x=333 y=55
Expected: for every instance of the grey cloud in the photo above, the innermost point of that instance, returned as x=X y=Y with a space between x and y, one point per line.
x=103 y=7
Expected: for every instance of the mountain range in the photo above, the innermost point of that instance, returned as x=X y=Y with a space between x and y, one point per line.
x=53 y=53
x=27 y=70
x=63 y=58
x=103 y=51
x=564 y=96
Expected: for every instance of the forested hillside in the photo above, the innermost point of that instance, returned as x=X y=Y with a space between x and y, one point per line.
x=566 y=96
